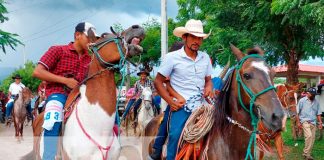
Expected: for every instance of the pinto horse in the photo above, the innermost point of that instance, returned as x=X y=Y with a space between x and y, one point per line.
x=88 y=132
x=288 y=98
x=146 y=113
x=250 y=84
x=19 y=111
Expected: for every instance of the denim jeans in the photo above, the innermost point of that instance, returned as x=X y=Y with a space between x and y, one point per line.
x=163 y=131
x=51 y=136
x=9 y=109
x=128 y=107
x=177 y=121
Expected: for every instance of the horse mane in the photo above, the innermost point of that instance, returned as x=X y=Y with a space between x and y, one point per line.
x=221 y=124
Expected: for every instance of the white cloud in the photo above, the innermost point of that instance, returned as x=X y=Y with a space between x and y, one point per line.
x=43 y=23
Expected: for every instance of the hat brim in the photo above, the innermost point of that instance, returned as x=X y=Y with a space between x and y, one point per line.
x=139 y=73
x=16 y=77
x=179 y=31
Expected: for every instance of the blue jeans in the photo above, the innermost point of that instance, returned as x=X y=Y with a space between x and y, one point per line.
x=128 y=107
x=177 y=121
x=136 y=105
x=51 y=136
x=9 y=109
x=163 y=131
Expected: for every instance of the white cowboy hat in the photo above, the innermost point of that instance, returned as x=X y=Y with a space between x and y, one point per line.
x=194 y=27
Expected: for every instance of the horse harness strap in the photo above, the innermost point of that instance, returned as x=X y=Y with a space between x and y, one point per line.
x=97 y=46
x=100 y=147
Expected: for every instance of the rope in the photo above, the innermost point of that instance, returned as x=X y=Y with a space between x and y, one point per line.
x=198 y=124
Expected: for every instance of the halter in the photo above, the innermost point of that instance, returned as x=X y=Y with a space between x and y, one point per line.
x=97 y=46
x=253 y=97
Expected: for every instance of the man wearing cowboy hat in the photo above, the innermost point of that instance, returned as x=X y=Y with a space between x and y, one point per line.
x=14 y=90
x=189 y=71
x=139 y=85
x=307 y=111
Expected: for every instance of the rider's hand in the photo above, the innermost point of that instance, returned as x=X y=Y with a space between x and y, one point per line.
x=71 y=82
x=208 y=92
x=320 y=126
x=175 y=105
x=181 y=100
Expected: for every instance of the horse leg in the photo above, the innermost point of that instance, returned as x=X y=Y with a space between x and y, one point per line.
x=21 y=132
x=279 y=145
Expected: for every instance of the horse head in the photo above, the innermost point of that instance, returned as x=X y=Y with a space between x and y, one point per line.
x=147 y=97
x=255 y=90
x=27 y=95
x=288 y=97
x=125 y=45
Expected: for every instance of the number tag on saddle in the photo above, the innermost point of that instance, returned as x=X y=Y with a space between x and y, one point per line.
x=53 y=113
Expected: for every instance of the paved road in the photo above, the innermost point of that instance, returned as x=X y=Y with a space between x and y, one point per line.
x=10 y=149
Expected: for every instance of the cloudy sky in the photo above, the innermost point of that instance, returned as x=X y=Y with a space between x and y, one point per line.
x=43 y=23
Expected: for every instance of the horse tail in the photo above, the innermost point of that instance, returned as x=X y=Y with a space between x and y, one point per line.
x=29 y=156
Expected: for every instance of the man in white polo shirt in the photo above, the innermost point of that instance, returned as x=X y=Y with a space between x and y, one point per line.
x=190 y=76
x=14 y=89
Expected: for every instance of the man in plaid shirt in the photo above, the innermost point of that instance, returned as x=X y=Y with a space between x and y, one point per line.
x=63 y=67
x=139 y=85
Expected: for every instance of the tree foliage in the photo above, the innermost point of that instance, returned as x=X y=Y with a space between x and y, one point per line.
x=25 y=72
x=286 y=29
x=152 y=42
x=6 y=38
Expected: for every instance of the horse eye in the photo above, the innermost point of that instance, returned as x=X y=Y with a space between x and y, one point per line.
x=247 y=76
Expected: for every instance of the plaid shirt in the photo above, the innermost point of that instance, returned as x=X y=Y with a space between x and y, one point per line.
x=147 y=83
x=64 y=61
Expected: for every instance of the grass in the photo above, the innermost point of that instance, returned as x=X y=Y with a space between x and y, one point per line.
x=293 y=152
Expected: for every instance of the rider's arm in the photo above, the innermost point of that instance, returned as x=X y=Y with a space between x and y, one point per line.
x=41 y=72
x=158 y=83
x=174 y=93
x=208 y=92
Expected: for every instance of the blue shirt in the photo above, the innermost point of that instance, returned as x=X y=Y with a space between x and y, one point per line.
x=308 y=110
x=187 y=76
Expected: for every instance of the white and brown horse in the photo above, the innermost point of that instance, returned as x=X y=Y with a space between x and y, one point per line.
x=146 y=113
x=19 y=111
x=88 y=132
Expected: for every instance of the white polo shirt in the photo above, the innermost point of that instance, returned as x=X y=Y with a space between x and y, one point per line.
x=16 y=88
x=187 y=76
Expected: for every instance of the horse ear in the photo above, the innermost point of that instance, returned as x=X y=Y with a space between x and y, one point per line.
x=237 y=52
x=259 y=50
x=288 y=86
x=91 y=36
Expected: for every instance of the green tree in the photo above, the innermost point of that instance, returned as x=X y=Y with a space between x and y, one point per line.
x=25 y=72
x=289 y=31
x=6 y=38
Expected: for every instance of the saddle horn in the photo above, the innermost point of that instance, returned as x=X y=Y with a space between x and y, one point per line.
x=225 y=69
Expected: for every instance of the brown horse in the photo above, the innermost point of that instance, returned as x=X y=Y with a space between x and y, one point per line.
x=88 y=132
x=288 y=98
x=251 y=81
x=37 y=110
x=19 y=111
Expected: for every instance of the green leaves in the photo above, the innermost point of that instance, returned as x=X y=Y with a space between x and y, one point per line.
x=278 y=26
x=6 y=38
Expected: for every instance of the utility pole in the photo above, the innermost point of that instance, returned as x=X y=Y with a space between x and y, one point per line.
x=24 y=55
x=164 y=38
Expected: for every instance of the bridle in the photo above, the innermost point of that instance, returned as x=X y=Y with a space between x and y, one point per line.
x=94 y=48
x=253 y=96
x=285 y=97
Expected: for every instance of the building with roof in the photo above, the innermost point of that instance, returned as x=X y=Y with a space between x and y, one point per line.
x=312 y=74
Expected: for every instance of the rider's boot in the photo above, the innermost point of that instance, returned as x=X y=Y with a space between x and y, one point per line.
x=8 y=120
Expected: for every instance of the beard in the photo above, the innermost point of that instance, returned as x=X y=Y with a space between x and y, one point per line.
x=194 y=47
x=312 y=97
